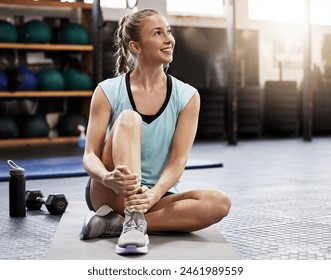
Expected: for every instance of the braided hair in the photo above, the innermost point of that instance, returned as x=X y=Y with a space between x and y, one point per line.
x=128 y=30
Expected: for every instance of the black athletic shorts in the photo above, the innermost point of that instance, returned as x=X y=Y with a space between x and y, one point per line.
x=87 y=195
x=88 y=198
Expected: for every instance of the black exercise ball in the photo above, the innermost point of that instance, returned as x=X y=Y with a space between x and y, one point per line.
x=8 y=128
x=68 y=124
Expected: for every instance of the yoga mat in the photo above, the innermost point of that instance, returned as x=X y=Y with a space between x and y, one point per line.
x=206 y=244
x=61 y=167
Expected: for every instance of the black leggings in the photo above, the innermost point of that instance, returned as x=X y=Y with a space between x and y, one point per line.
x=88 y=197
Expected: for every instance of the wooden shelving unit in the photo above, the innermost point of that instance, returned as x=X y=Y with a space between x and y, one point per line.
x=86 y=19
x=28 y=94
x=37 y=141
x=47 y=3
x=46 y=47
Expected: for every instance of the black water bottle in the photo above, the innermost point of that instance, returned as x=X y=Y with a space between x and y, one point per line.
x=16 y=190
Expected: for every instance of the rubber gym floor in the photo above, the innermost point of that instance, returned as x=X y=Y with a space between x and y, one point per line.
x=280 y=191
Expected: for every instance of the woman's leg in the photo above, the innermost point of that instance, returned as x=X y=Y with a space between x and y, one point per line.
x=188 y=211
x=123 y=147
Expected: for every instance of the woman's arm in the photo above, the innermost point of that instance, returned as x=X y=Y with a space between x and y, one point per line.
x=100 y=111
x=183 y=140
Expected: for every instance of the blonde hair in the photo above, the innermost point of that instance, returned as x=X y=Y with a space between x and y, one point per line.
x=128 y=30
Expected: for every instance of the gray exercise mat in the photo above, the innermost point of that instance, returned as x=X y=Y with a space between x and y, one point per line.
x=207 y=244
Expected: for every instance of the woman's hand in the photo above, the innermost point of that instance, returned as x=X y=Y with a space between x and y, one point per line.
x=143 y=200
x=122 y=181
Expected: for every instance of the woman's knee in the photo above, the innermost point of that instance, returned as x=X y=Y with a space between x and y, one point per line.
x=219 y=205
x=129 y=119
x=225 y=201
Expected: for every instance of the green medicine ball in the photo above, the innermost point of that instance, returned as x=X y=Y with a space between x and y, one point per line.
x=76 y=80
x=50 y=78
x=8 y=128
x=8 y=32
x=74 y=34
x=35 y=31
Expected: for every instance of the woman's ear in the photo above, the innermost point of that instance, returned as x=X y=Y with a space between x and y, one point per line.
x=134 y=47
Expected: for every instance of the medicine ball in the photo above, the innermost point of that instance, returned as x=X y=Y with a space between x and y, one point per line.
x=34 y=126
x=8 y=128
x=74 y=34
x=3 y=81
x=8 y=32
x=68 y=124
x=50 y=78
x=77 y=80
x=21 y=79
x=35 y=31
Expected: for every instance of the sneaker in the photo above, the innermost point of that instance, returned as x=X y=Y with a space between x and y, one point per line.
x=134 y=238
x=102 y=223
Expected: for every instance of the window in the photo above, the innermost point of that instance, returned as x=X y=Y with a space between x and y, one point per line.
x=320 y=12
x=197 y=8
x=290 y=11
x=276 y=10
x=117 y=4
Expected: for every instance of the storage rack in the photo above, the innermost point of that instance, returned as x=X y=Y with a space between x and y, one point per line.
x=87 y=50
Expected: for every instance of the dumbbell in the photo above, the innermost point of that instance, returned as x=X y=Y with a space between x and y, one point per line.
x=56 y=204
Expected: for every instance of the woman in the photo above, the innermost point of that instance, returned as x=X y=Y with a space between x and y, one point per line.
x=141 y=129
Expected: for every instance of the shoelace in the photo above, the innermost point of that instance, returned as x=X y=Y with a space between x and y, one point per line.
x=134 y=222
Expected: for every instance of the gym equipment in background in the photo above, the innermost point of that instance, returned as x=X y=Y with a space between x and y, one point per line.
x=82 y=136
x=75 y=34
x=35 y=31
x=56 y=204
x=33 y=126
x=3 y=81
x=321 y=109
x=21 y=79
x=49 y=78
x=69 y=122
x=76 y=79
x=98 y=25
x=250 y=111
x=8 y=32
x=52 y=119
x=281 y=108
x=8 y=128
x=212 y=112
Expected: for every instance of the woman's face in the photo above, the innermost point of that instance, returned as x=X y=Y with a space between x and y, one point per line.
x=156 y=43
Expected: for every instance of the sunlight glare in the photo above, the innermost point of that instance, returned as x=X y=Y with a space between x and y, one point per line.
x=280 y=10
x=189 y=7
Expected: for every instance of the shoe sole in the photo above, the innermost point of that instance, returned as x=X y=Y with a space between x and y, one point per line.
x=85 y=230
x=132 y=249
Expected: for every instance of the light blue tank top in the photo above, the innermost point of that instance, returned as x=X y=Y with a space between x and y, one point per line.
x=158 y=130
